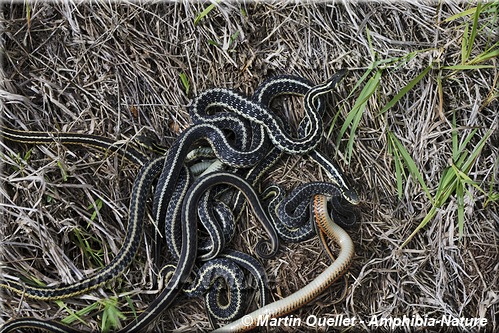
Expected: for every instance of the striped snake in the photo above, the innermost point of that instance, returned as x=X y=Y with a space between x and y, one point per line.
x=251 y=122
x=313 y=288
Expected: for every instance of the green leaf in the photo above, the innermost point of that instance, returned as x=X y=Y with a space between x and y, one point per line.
x=405 y=90
x=409 y=162
x=379 y=66
x=467 y=67
x=111 y=315
x=185 y=82
x=473 y=33
x=354 y=116
x=362 y=79
x=233 y=37
x=464 y=43
x=77 y=316
x=452 y=182
x=469 y=162
x=484 y=56
x=492 y=197
x=445 y=187
x=460 y=207
x=353 y=90
x=369 y=41
x=428 y=217
x=461 y=14
x=205 y=12
x=399 y=173
x=455 y=143
x=64 y=173
x=85 y=242
x=460 y=155
x=96 y=206
x=131 y=306
x=212 y=42
x=27 y=155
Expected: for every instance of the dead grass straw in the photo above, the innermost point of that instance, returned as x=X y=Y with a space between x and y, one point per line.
x=114 y=69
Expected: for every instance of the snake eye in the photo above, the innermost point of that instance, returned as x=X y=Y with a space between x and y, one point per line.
x=351 y=196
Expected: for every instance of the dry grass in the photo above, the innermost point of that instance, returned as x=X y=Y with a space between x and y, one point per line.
x=114 y=69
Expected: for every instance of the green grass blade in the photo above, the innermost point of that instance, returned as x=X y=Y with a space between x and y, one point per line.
x=468 y=67
x=473 y=33
x=464 y=43
x=453 y=181
x=96 y=206
x=470 y=11
x=492 y=197
x=360 y=81
x=353 y=129
x=233 y=37
x=399 y=173
x=446 y=187
x=455 y=143
x=484 y=56
x=355 y=115
x=409 y=162
x=185 y=82
x=469 y=162
x=205 y=12
x=423 y=223
x=361 y=101
x=27 y=156
x=353 y=90
x=460 y=207
x=77 y=316
x=399 y=169
x=370 y=43
x=111 y=315
x=465 y=179
x=131 y=306
x=64 y=173
x=405 y=90
x=379 y=65
x=459 y=153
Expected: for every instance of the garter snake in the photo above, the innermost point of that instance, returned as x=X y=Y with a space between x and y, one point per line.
x=209 y=130
x=209 y=283
x=140 y=191
x=189 y=241
x=124 y=149
x=224 y=151
x=293 y=85
x=290 y=213
x=142 y=185
x=188 y=250
x=316 y=286
x=228 y=269
x=258 y=113
x=265 y=95
x=208 y=127
x=293 y=209
x=227 y=99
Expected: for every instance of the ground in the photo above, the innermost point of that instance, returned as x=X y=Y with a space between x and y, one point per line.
x=416 y=112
